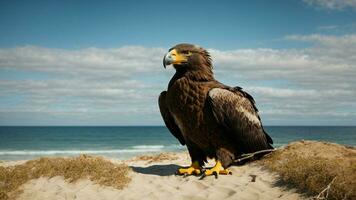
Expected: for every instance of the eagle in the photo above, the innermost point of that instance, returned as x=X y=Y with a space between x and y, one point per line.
x=212 y=119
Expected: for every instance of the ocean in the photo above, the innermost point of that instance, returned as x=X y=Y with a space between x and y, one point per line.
x=18 y=143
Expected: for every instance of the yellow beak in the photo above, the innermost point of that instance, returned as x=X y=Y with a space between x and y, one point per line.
x=173 y=57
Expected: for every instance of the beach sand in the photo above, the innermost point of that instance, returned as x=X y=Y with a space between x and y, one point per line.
x=152 y=177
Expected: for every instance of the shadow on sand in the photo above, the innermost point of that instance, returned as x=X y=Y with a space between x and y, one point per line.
x=160 y=170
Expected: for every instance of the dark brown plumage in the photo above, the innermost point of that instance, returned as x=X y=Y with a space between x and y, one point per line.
x=212 y=119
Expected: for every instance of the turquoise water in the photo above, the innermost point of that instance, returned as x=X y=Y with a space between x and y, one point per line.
x=18 y=143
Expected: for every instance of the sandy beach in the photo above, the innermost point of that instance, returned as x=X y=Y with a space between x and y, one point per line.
x=153 y=177
x=317 y=168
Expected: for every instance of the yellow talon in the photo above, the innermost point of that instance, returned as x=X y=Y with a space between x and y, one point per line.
x=193 y=169
x=217 y=169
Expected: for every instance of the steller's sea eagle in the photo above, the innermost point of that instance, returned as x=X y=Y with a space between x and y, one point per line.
x=212 y=119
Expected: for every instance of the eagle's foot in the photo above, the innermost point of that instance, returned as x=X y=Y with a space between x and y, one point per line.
x=216 y=170
x=194 y=169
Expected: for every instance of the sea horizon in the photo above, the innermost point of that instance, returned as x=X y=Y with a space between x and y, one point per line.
x=124 y=142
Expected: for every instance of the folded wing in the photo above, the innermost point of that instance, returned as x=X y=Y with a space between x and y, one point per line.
x=236 y=114
x=168 y=118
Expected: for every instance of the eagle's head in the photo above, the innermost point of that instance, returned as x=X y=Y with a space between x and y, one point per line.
x=188 y=57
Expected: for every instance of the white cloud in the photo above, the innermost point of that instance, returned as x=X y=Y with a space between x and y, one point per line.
x=317 y=83
x=328 y=27
x=332 y=4
x=121 y=86
x=81 y=82
x=327 y=40
x=92 y=61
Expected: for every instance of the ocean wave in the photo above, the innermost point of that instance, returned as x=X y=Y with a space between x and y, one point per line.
x=148 y=147
x=73 y=152
x=133 y=150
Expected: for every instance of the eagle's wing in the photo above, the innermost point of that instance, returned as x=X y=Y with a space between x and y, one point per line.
x=236 y=114
x=168 y=119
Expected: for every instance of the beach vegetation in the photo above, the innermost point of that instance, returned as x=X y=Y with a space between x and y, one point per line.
x=322 y=170
x=97 y=169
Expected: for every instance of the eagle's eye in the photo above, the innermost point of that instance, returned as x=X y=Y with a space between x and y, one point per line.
x=186 y=52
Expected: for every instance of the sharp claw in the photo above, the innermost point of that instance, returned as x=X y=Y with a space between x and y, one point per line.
x=215 y=174
x=194 y=169
x=178 y=174
x=202 y=176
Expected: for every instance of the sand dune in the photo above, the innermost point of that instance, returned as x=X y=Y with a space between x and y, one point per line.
x=153 y=178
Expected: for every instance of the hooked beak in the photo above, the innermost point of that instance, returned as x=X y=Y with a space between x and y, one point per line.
x=173 y=57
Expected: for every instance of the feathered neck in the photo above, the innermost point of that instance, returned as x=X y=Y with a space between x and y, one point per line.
x=201 y=74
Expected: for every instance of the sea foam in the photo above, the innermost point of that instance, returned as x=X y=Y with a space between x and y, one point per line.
x=133 y=149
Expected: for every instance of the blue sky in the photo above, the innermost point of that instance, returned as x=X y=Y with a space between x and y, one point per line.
x=110 y=24
x=99 y=62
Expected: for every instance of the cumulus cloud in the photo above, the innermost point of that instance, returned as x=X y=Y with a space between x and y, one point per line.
x=92 y=61
x=332 y=4
x=121 y=85
x=83 y=82
x=331 y=58
x=315 y=82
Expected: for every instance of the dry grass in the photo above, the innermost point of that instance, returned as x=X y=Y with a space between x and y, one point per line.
x=96 y=169
x=311 y=166
x=156 y=158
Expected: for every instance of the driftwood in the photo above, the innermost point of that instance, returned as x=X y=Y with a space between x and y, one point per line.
x=325 y=192
x=248 y=156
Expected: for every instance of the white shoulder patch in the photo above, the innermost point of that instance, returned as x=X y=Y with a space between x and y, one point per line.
x=250 y=116
x=219 y=93
x=231 y=98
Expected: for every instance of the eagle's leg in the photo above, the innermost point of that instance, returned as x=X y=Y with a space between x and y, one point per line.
x=194 y=168
x=217 y=169
x=223 y=160
x=198 y=159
